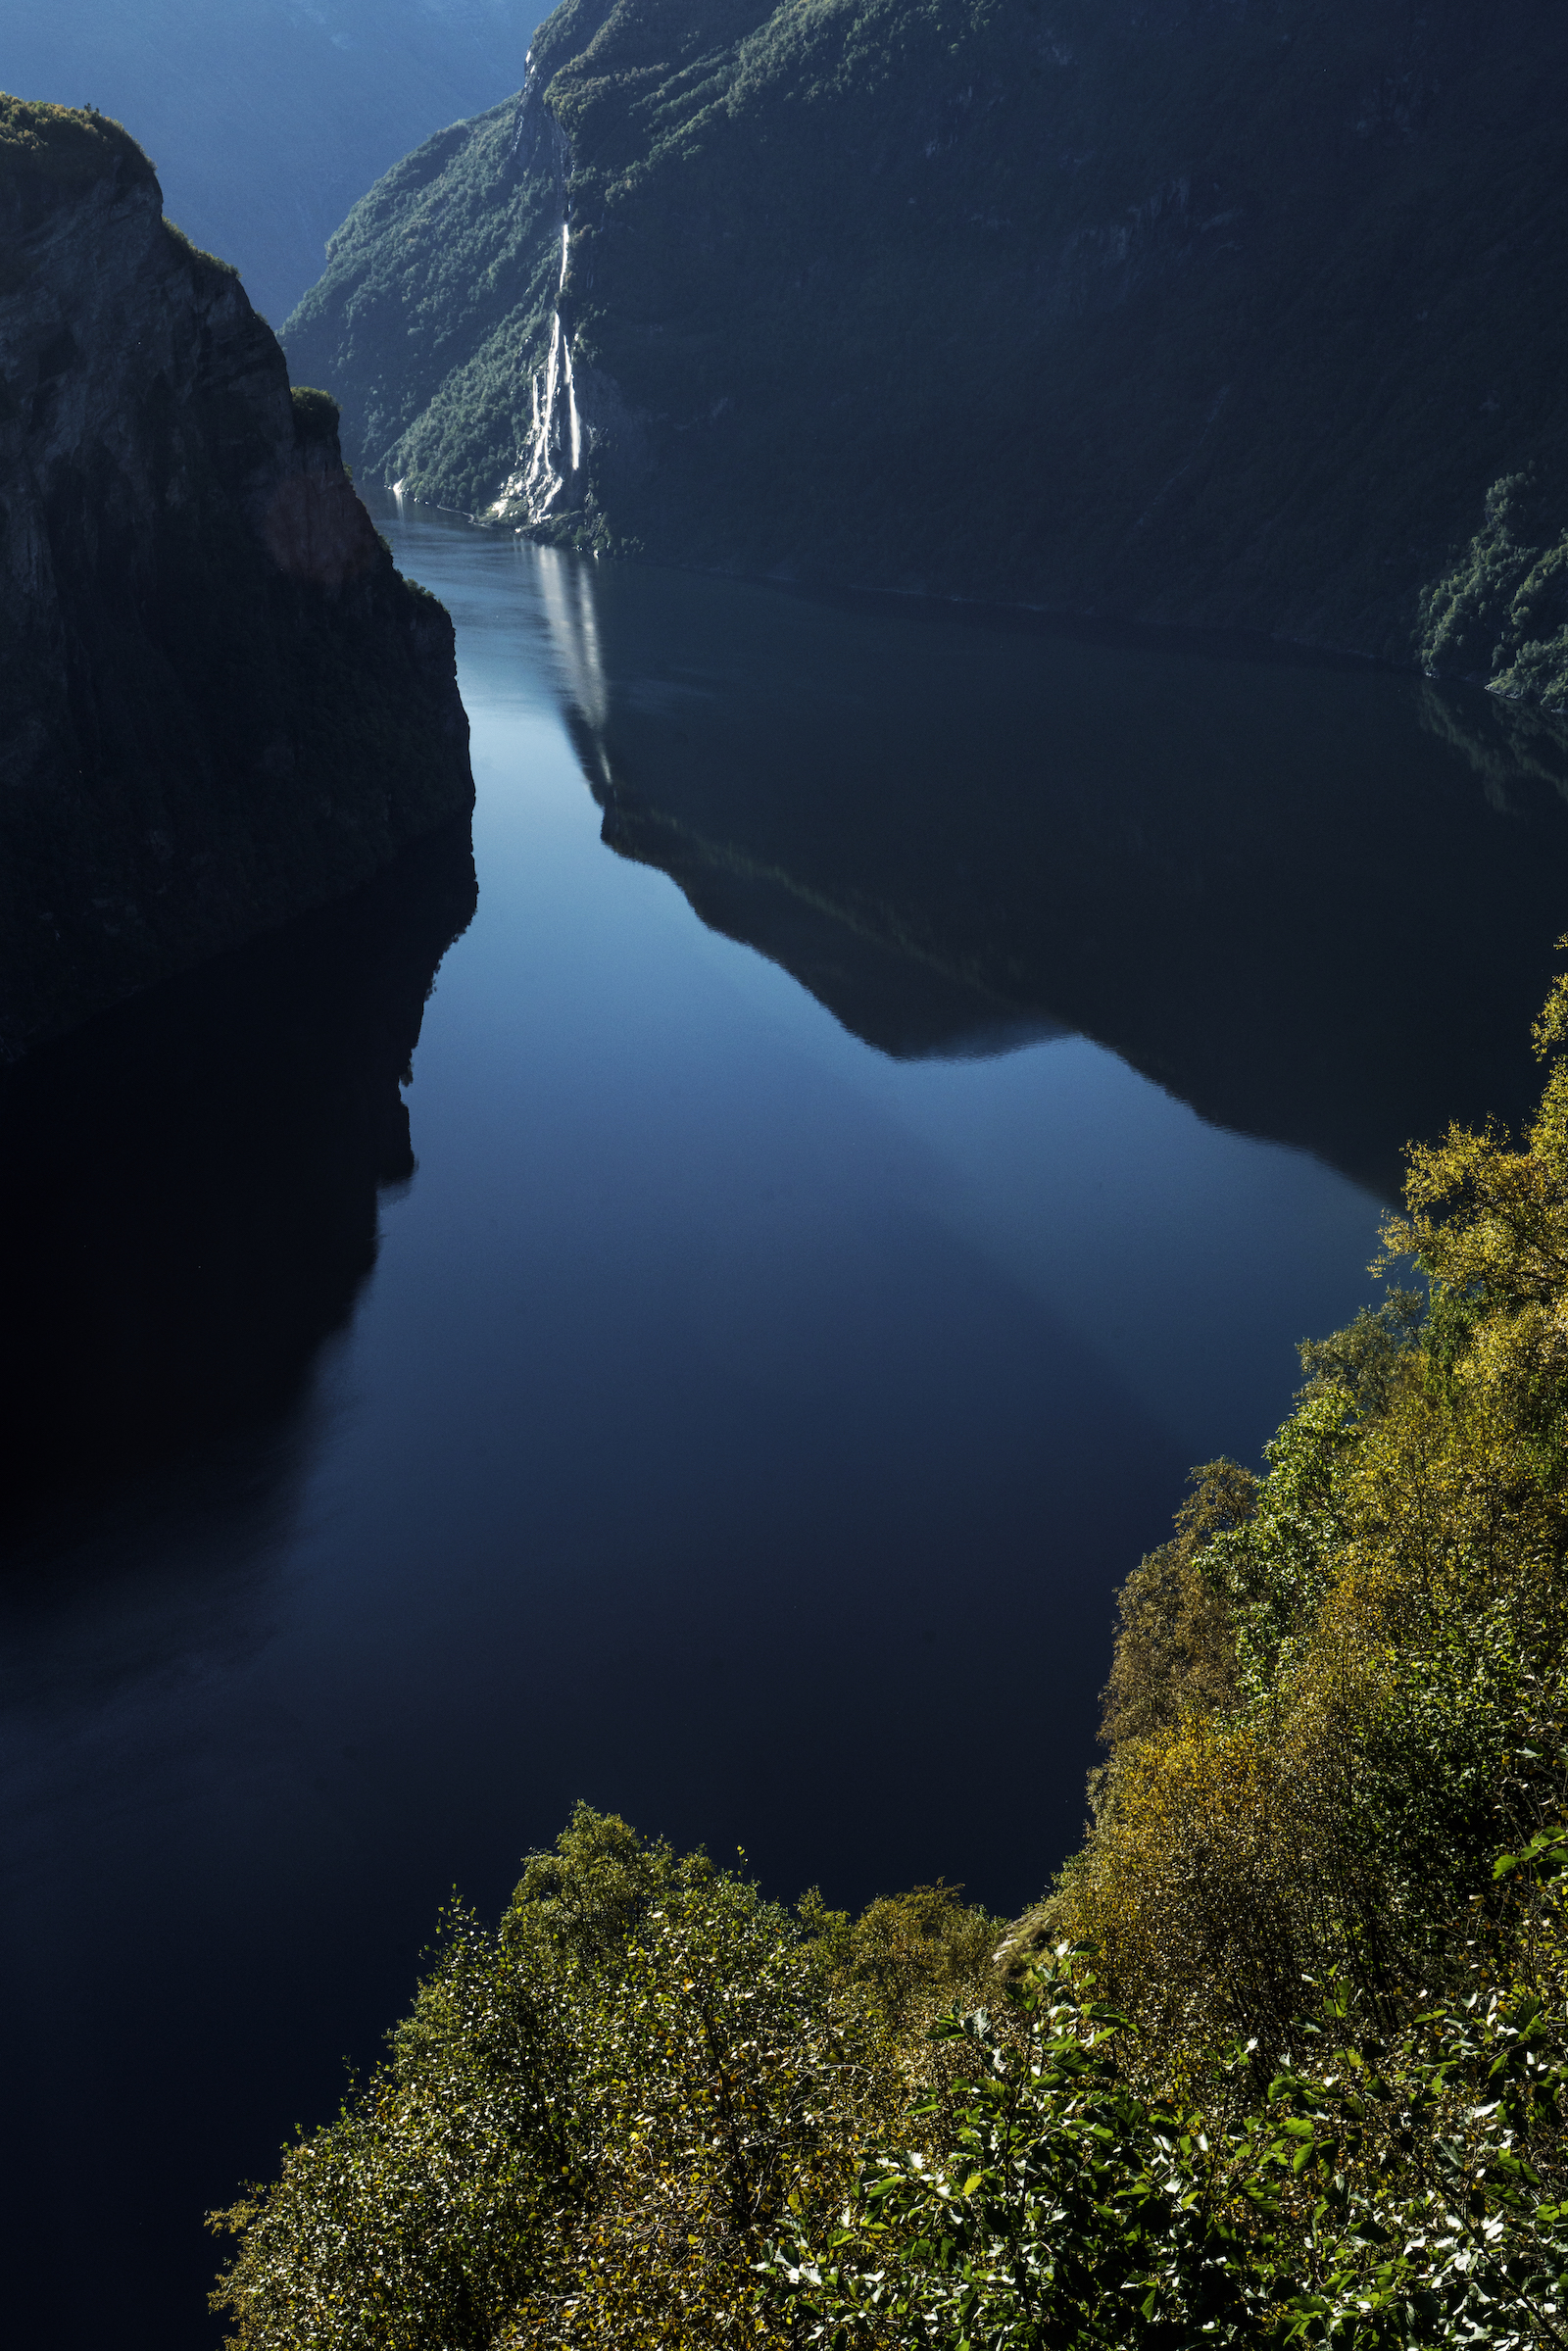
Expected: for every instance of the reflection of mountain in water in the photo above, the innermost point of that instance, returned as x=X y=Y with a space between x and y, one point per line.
x=1508 y=744
x=905 y=1003
x=188 y=1185
x=1271 y=885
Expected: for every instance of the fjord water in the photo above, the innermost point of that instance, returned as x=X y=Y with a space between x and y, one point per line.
x=908 y=1079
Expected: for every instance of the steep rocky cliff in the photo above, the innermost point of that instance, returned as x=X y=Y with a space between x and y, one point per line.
x=1225 y=312
x=219 y=703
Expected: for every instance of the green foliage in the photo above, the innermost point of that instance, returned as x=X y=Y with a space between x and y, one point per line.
x=1367 y=1359
x=1412 y=2189
x=1176 y=1647
x=193 y=252
x=1396 y=1607
x=1294 y=2066
x=593 y=2120
x=1501 y=614
x=315 y=415
x=65 y=147
x=439 y=277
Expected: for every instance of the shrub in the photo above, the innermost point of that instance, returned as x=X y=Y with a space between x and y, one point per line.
x=593 y=2120
x=70 y=146
x=1409 y=2189
x=315 y=415
x=188 y=248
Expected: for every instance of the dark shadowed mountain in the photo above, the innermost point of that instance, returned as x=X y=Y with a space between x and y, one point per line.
x=1223 y=311
x=219 y=701
x=1315 y=902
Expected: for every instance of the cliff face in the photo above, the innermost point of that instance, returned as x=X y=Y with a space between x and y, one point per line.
x=219 y=703
x=1219 y=312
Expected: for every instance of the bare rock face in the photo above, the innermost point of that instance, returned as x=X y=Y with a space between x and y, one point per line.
x=219 y=703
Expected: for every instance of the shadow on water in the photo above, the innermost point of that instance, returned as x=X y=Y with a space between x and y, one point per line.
x=188 y=1197
x=1255 y=880
x=715 y=1416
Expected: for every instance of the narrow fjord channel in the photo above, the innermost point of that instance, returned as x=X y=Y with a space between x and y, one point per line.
x=905 y=1084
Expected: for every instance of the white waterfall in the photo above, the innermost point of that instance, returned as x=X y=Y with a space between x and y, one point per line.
x=538 y=480
x=547 y=421
x=572 y=403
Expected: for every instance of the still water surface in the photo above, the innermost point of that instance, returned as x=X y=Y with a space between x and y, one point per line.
x=908 y=1079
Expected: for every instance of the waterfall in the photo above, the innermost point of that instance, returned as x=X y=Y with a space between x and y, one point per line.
x=572 y=403
x=538 y=480
x=552 y=371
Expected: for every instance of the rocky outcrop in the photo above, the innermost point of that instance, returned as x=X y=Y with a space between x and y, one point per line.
x=221 y=704
x=1499 y=617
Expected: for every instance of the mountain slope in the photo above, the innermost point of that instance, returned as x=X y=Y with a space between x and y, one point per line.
x=1227 y=313
x=219 y=701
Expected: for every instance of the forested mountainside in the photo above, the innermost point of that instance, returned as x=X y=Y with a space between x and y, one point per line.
x=219 y=704
x=1241 y=313
x=268 y=117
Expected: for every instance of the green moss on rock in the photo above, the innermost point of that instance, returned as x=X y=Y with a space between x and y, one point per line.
x=197 y=254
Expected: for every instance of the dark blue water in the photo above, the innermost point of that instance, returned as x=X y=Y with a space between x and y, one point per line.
x=906 y=1082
